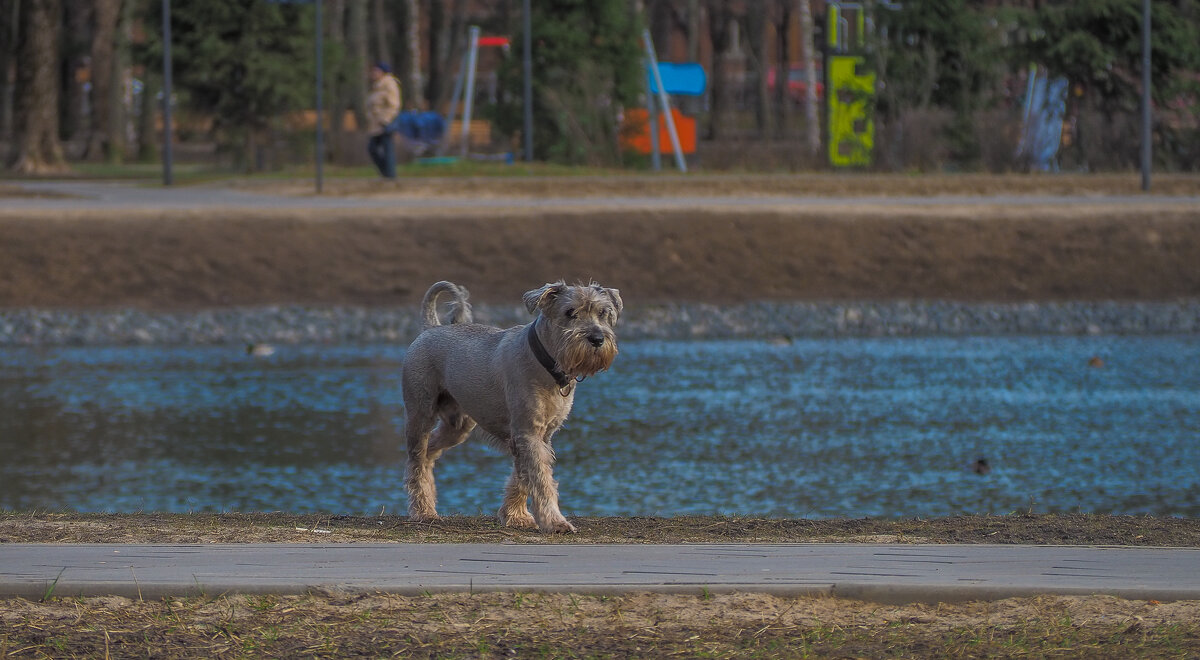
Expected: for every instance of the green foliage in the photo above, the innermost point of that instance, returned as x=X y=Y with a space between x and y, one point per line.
x=587 y=66
x=939 y=53
x=243 y=62
x=1098 y=44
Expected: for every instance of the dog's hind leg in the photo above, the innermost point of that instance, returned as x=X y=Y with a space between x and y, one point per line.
x=451 y=431
x=418 y=480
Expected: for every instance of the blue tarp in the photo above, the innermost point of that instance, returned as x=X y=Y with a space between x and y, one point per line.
x=426 y=127
x=685 y=79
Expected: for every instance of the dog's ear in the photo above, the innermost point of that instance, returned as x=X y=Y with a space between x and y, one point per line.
x=540 y=298
x=615 y=295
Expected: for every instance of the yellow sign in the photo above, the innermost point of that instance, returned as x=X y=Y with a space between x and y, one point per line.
x=851 y=129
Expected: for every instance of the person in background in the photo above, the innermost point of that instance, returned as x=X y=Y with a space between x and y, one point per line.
x=383 y=104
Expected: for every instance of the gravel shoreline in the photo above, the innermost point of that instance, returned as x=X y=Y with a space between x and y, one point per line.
x=763 y=320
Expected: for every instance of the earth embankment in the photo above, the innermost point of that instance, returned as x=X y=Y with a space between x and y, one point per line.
x=385 y=257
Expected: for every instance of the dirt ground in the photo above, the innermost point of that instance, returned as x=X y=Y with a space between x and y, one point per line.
x=1106 y=248
x=381 y=257
x=1058 y=529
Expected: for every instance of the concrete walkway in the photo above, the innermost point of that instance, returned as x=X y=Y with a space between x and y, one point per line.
x=882 y=573
x=101 y=195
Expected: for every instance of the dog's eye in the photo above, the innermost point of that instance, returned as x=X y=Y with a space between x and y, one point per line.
x=570 y=313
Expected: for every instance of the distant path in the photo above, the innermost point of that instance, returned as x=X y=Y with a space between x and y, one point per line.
x=884 y=573
x=93 y=195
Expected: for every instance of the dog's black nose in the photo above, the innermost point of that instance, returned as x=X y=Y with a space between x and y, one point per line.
x=596 y=338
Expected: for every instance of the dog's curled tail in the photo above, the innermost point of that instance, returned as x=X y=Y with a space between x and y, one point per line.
x=460 y=309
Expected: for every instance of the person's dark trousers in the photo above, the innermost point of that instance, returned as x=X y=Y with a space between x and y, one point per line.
x=383 y=153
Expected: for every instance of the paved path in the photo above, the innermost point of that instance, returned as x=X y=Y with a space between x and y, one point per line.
x=883 y=573
x=94 y=195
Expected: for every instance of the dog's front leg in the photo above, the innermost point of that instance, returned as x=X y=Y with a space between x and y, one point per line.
x=515 y=510
x=534 y=461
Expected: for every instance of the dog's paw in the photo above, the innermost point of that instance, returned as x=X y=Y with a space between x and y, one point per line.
x=522 y=520
x=423 y=517
x=560 y=526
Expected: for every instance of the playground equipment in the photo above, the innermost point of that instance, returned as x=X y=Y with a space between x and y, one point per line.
x=426 y=131
x=1041 y=130
x=466 y=92
x=849 y=84
x=662 y=79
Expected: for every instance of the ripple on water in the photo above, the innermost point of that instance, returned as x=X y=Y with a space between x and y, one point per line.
x=819 y=427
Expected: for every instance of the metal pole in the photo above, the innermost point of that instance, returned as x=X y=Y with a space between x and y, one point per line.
x=1147 y=154
x=454 y=97
x=469 y=91
x=652 y=119
x=527 y=69
x=168 y=179
x=320 y=78
x=664 y=102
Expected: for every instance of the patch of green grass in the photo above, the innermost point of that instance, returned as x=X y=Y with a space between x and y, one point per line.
x=263 y=603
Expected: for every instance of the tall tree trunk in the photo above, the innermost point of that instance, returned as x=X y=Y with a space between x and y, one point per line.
x=719 y=19
x=38 y=147
x=693 y=30
x=121 y=82
x=105 y=14
x=398 y=53
x=336 y=83
x=756 y=38
x=446 y=34
x=10 y=12
x=456 y=39
x=415 y=83
x=691 y=104
x=658 y=15
x=356 y=50
x=783 y=62
x=147 y=130
x=75 y=105
x=381 y=50
x=812 y=124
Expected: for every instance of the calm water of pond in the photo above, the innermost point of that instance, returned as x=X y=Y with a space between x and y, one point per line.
x=820 y=428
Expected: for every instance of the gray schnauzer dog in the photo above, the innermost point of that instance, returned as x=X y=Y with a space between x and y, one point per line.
x=517 y=385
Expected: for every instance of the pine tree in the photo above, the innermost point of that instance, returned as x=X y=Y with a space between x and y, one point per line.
x=586 y=67
x=242 y=63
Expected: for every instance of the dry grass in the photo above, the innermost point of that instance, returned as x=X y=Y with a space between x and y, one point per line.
x=748 y=185
x=566 y=625
x=14 y=191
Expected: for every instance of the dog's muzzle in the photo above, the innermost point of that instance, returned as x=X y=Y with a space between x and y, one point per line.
x=595 y=338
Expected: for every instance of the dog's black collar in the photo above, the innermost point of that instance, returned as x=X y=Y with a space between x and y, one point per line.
x=544 y=358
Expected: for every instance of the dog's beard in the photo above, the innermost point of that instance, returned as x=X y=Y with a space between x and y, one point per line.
x=580 y=358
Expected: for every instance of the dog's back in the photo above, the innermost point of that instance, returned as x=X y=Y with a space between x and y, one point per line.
x=460 y=309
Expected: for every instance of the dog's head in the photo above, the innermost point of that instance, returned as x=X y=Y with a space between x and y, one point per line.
x=581 y=321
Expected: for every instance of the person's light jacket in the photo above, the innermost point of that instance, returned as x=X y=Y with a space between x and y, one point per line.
x=383 y=103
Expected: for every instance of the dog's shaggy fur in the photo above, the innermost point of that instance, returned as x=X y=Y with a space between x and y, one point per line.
x=463 y=375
